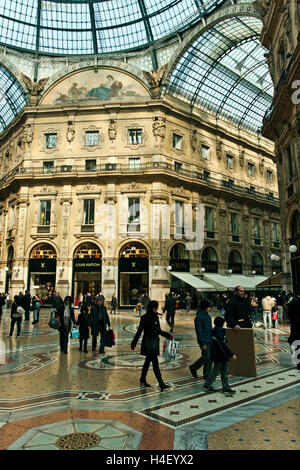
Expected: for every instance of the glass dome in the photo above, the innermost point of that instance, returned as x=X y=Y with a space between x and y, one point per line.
x=95 y=27
x=225 y=70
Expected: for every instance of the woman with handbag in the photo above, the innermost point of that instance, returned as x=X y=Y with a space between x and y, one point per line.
x=36 y=305
x=16 y=316
x=65 y=315
x=149 y=324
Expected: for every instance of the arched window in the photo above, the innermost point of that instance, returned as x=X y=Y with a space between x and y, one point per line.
x=210 y=260
x=43 y=250
x=133 y=250
x=179 y=251
x=235 y=262
x=257 y=263
x=87 y=250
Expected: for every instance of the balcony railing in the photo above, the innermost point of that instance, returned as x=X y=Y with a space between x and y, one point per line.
x=199 y=175
x=43 y=229
x=88 y=228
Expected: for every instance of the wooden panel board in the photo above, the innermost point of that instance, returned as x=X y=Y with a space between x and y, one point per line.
x=242 y=344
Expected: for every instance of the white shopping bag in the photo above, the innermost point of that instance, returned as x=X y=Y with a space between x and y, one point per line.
x=170 y=350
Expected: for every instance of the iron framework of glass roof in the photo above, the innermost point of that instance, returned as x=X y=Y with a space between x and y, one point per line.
x=12 y=98
x=225 y=71
x=95 y=27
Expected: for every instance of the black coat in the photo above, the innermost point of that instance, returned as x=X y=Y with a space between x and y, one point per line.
x=149 y=324
x=171 y=304
x=294 y=316
x=60 y=315
x=98 y=319
x=238 y=312
x=83 y=324
x=219 y=350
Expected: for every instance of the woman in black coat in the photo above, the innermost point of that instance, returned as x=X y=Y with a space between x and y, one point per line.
x=149 y=324
x=65 y=315
x=294 y=316
x=83 y=323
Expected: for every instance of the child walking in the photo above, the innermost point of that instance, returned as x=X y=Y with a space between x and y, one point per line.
x=83 y=324
x=220 y=355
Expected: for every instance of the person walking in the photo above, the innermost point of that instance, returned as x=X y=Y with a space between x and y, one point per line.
x=83 y=323
x=113 y=303
x=145 y=301
x=2 y=304
x=36 y=305
x=66 y=318
x=188 y=302
x=149 y=324
x=98 y=321
x=27 y=302
x=254 y=307
x=220 y=354
x=237 y=312
x=16 y=316
x=267 y=304
x=171 y=309
x=203 y=327
x=294 y=317
x=88 y=300
x=56 y=303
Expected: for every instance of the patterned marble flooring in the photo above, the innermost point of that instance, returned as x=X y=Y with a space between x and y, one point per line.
x=44 y=393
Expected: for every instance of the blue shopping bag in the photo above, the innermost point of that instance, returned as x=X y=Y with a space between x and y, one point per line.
x=75 y=333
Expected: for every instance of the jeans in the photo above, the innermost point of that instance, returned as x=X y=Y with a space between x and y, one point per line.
x=267 y=315
x=254 y=314
x=205 y=361
x=36 y=315
x=219 y=368
x=152 y=358
x=102 y=340
x=12 y=326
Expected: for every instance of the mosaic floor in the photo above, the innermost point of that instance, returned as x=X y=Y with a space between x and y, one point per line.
x=85 y=401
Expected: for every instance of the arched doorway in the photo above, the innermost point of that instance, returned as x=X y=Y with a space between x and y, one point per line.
x=257 y=263
x=87 y=269
x=210 y=260
x=295 y=257
x=42 y=271
x=8 y=269
x=235 y=262
x=179 y=258
x=133 y=273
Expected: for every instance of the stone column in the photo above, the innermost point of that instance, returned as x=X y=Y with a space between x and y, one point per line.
x=63 y=273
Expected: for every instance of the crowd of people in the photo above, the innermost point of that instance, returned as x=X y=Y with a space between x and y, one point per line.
x=238 y=311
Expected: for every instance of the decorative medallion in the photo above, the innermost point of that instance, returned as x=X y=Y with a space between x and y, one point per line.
x=78 y=441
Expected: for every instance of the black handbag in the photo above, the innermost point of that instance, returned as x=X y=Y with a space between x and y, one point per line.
x=110 y=338
x=53 y=323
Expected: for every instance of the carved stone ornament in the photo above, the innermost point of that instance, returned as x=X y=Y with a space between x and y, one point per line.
x=35 y=88
x=242 y=158
x=28 y=133
x=154 y=79
x=194 y=140
x=219 y=149
x=159 y=127
x=112 y=130
x=261 y=166
x=70 y=131
x=133 y=188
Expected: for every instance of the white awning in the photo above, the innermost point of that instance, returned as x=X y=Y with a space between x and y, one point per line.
x=223 y=282
x=193 y=281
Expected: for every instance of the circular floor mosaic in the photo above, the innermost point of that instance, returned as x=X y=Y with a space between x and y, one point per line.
x=80 y=434
x=130 y=361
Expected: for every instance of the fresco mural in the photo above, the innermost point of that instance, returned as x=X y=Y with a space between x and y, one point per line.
x=90 y=87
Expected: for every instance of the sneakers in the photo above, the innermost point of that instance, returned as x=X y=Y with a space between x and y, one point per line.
x=228 y=390
x=209 y=388
x=193 y=372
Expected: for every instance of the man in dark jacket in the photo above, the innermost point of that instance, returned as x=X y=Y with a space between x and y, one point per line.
x=203 y=327
x=238 y=311
x=171 y=308
x=294 y=317
x=99 y=320
x=220 y=354
x=56 y=302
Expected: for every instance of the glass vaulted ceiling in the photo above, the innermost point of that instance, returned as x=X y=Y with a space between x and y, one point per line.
x=88 y=27
x=12 y=98
x=225 y=71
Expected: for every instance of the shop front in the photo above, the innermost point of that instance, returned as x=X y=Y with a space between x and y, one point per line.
x=87 y=268
x=133 y=274
x=42 y=272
